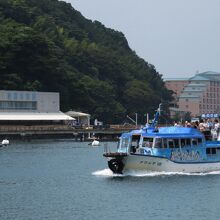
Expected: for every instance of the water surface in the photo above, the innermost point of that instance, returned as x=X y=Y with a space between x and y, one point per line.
x=70 y=180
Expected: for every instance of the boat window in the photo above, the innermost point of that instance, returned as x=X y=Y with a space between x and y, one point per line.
x=124 y=142
x=188 y=142
x=176 y=143
x=199 y=140
x=170 y=143
x=164 y=143
x=213 y=150
x=158 y=143
x=147 y=142
x=210 y=151
x=118 y=144
x=183 y=142
x=135 y=142
x=194 y=141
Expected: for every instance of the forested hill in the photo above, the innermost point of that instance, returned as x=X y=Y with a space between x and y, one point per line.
x=46 y=45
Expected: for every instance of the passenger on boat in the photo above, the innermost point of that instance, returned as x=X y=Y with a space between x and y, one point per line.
x=205 y=129
x=147 y=142
x=201 y=125
x=195 y=125
x=177 y=124
x=215 y=130
x=187 y=124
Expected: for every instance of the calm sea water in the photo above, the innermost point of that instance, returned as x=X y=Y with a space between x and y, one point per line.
x=70 y=180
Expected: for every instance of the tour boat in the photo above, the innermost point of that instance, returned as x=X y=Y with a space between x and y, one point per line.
x=169 y=149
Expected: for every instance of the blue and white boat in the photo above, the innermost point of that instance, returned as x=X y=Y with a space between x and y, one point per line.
x=169 y=149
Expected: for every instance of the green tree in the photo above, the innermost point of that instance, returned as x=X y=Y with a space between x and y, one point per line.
x=47 y=45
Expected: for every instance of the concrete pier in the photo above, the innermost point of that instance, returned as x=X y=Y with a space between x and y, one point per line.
x=57 y=132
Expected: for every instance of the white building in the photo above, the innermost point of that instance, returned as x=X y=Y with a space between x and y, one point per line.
x=30 y=106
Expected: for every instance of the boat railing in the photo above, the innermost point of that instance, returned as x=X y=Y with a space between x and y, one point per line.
x=109 y=153
x=106 y=148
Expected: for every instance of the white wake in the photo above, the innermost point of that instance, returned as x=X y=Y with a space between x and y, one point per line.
x=108 y=173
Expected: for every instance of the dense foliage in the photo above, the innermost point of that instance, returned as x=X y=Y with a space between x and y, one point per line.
x=46 y=45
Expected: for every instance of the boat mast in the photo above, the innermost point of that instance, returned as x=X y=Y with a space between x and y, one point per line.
x=156 y=116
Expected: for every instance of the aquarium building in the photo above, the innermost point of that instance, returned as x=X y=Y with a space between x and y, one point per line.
x=23 y=107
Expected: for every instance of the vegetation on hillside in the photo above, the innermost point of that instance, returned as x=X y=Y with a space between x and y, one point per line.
x=47 y=45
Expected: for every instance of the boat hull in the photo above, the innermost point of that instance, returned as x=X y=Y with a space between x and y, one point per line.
x=159 y=164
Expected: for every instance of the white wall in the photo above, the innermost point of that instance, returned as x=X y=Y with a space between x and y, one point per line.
x=48 y=102
x=45 y=101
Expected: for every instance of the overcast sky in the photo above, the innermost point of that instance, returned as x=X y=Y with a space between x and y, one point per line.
x=179 y=37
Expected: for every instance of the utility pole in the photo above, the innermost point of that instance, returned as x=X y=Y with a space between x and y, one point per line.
x=136 y=118
x=147 y=118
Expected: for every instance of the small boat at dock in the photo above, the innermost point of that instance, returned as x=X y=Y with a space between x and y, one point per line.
x=94 y=143
x=4 y=142
x=169 y=149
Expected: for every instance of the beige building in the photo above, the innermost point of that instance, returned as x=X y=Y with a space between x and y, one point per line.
x=198 y=95
x=177 y=86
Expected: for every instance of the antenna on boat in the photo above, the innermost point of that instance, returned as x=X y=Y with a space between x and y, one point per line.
x=156 y=116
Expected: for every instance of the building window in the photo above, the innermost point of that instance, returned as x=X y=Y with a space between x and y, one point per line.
x=34 y=96
x=27 y=96
x=9 y=96
x=18 y=105
x=15 y=96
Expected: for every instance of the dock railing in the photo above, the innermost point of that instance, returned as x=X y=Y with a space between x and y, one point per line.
x=17 y=128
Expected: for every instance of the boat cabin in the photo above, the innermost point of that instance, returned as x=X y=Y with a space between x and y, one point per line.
x=133 y=142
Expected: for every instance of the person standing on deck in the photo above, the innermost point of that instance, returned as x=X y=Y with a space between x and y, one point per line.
x=216 y=128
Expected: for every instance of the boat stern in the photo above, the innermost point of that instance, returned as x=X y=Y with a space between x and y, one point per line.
x=115 y=161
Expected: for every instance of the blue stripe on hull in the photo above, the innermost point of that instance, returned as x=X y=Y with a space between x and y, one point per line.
x=187 y=162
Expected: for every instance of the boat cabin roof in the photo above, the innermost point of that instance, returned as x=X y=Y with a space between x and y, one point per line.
x=166 y=132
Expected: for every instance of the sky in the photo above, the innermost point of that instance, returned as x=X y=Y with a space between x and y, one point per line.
x=179 y=37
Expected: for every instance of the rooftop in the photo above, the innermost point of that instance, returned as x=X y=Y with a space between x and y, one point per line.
x=34 y=116
x=176 y=79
